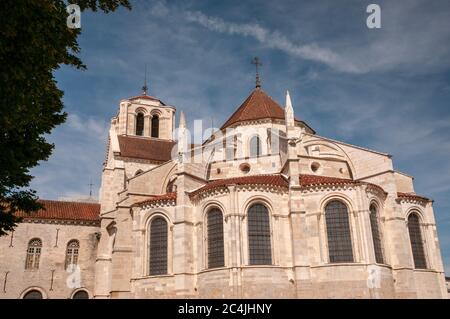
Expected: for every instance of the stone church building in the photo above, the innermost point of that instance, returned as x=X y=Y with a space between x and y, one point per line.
x=261 y=208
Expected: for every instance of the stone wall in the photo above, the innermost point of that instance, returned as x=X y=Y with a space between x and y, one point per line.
x=52 y=260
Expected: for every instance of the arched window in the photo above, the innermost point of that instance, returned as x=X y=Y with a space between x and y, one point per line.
x=81 y=294
x=155 y=126
x=376 y=235
x=33 y=254
x=72 y=250
x=140 y=124
x=255 y=146
x=33 y=294
x=338 y=232
x=215 y=239
x=158 y=246
x=415 y=236
x=260 y=251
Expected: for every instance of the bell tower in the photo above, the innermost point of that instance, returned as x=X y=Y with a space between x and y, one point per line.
x=145 y=116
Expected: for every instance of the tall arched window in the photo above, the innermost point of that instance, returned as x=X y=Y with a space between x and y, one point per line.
x=155 y=126
x=338 y=232
x=255 y=146
x=376 y=235
x=260 y=248
x=158 y=246
x=72 y=251
x=33 y=254
x=215 y=239
x=140 y=124
x=33 y=294
x=415 y=236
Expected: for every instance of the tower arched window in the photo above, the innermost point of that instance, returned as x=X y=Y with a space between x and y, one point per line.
x=215 y=239
x=415 y=236
x=255 y=146
x=155 y=126
x=338 y=232
x=140 y=124
x=376 y=234
x=259 y=242
x=158 y=246
x=33 y=254
x=72 y=251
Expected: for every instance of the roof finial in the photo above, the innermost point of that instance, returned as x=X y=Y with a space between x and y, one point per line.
x=257 y=64
x=145 y=87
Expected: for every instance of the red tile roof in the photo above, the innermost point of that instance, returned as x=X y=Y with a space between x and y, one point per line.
x=257 y=106
x=274 y=180
x=60 y=210
x=145 y=148
x=412 y=196
x=310 y=180
x=158 y=198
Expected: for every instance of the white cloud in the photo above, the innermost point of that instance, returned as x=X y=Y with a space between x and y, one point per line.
x=409 y=30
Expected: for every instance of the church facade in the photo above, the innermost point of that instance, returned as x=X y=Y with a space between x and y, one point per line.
x=263 y=208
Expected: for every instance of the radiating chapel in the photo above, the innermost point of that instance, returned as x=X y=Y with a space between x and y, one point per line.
x=263 y=208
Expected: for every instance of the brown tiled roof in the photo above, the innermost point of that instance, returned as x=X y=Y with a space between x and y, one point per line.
x=274 y=180
x=315 y=180
x=257 y=106
x=158 y=198
x=60 y=210
x=412 y=196
x=146 y=97
x=145 y=148
x=310 y=180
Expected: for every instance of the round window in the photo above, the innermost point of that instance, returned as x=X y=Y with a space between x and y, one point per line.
x=245 y=168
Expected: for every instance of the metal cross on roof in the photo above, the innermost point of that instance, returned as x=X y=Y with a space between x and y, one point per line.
x=145 y=87
x=257 y=64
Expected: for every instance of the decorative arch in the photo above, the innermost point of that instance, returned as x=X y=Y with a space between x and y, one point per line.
x=337 y=196
x=28 y=293
x=336 y=152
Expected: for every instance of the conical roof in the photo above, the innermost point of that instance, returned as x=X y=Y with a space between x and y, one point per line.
x=257 y=106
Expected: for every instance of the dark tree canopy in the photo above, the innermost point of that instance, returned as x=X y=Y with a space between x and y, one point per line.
x=34 y=42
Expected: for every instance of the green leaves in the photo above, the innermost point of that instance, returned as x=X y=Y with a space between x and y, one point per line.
x=34 y=42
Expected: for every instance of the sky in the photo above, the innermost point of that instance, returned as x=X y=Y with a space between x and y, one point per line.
x=386 y=89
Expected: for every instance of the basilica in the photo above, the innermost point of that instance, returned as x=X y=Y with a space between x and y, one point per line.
x=264 y=207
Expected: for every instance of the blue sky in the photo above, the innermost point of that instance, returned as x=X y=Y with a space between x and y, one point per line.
x=387 y=89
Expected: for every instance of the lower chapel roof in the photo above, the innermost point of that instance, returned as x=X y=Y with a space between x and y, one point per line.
x=65 y=211
x=275 y=180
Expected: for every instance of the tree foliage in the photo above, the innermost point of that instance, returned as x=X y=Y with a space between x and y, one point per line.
x=34 y=42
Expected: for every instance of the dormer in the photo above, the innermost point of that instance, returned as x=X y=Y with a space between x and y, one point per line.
x=146 y=116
